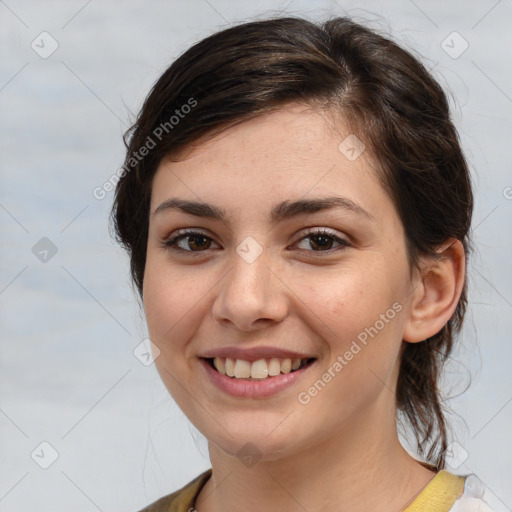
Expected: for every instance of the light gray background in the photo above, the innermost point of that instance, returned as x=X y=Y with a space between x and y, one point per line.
x=69 y=325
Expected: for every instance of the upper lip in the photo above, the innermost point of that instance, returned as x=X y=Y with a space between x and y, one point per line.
x=254 y=353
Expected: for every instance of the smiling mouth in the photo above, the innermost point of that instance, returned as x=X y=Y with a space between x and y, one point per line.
x=261 y=369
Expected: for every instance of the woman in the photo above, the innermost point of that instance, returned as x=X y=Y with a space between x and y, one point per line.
x=296 y=207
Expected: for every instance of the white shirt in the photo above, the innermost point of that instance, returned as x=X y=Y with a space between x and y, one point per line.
x=471 y=499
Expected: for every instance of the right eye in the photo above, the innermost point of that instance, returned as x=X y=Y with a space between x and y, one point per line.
x=188 y=240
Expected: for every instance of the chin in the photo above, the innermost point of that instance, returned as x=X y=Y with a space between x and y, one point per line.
x=258 y=442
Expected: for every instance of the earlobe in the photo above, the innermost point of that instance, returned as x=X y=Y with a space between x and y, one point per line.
x=436 y=291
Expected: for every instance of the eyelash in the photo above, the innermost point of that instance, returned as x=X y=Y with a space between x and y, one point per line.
x=184 y=233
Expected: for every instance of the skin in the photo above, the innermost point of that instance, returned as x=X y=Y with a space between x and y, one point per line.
x=341 y=450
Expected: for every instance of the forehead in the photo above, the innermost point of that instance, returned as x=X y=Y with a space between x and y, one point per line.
x=293 y=127
x=290 y=153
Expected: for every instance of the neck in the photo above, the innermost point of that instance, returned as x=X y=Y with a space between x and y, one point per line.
x=363 y=469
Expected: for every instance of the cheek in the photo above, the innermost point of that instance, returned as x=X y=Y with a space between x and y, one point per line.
x=169 y=309
x=362 y=322
x=165 y=302
x=358 y=315
x=176 y=301
x=351 y=298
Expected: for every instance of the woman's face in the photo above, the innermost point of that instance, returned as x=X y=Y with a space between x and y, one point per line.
x=278 y=277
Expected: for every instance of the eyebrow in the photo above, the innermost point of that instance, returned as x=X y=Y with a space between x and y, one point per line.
x=279 y=212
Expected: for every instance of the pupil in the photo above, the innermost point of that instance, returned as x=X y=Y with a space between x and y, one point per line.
x=195 y=239
x=325 y=239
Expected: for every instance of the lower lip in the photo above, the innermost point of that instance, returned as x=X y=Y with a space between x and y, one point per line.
x=253 y=388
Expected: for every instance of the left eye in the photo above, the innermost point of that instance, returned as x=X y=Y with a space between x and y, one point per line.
x=320 y=240
x=324 y=239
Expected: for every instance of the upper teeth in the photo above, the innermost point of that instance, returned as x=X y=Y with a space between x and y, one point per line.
x=260 y=369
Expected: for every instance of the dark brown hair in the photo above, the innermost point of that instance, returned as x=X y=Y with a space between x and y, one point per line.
x=391 y=103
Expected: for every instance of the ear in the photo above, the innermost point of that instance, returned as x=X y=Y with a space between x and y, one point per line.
x=437 y=286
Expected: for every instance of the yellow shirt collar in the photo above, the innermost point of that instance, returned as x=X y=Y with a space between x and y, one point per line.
x=439 y=495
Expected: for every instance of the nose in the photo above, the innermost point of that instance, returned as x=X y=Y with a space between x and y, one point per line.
x=251 y=296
